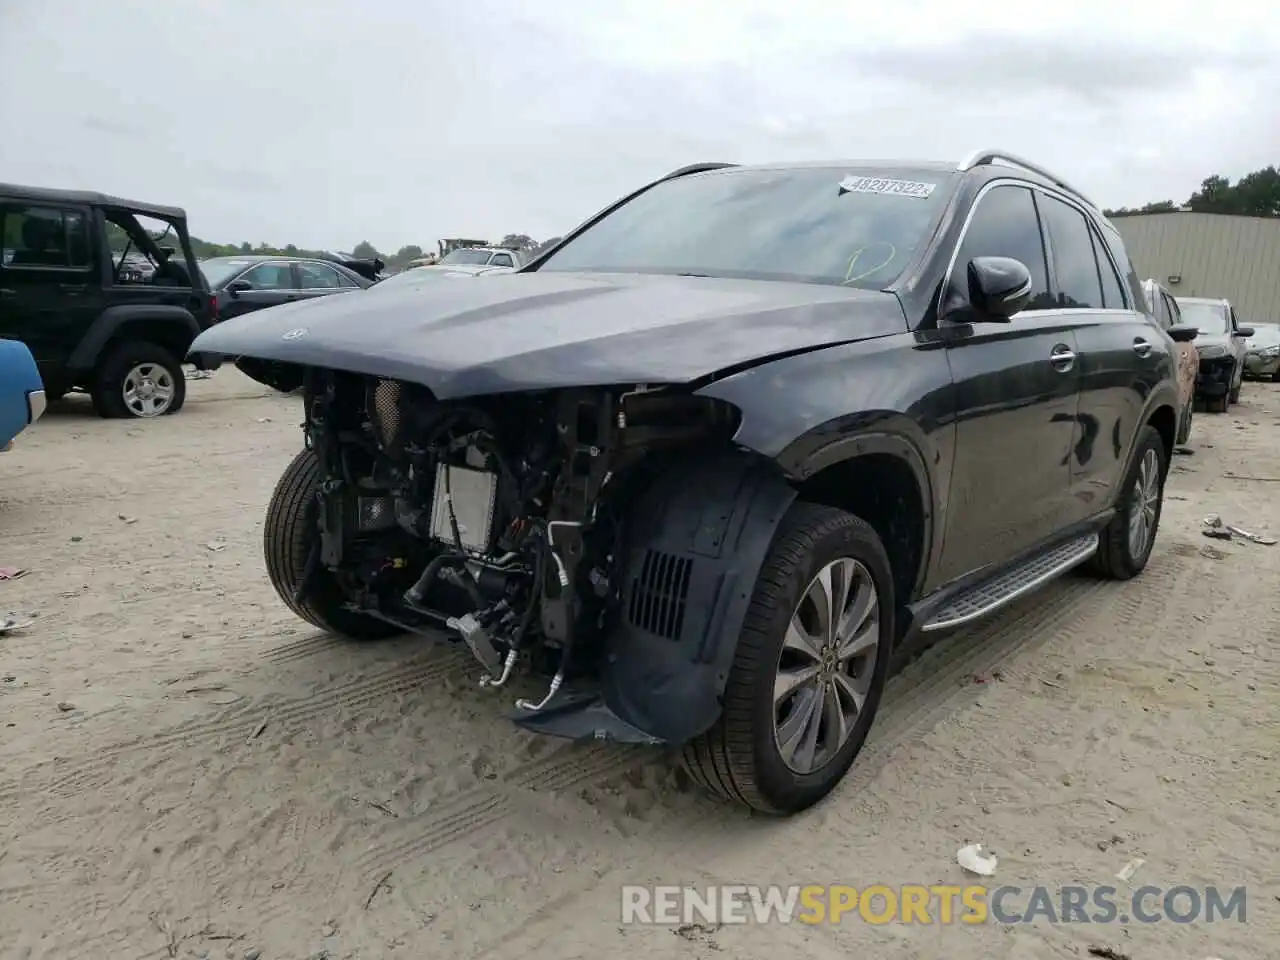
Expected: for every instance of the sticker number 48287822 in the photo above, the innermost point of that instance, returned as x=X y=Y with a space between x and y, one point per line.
x=897 y=188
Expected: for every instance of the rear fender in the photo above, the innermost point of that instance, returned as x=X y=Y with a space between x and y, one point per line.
x=697 y=540
x=183 y=324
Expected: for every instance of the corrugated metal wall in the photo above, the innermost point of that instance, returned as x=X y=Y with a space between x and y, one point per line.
x=1216 y=256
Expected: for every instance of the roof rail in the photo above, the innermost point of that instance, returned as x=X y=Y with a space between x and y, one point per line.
x=993 y=155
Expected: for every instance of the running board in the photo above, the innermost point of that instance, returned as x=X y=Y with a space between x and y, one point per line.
x=990 y=595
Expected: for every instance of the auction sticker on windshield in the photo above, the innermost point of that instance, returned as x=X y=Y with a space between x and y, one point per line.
x=896 y=188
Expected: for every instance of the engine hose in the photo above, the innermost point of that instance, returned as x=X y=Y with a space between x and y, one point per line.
x=413 y=596
x=539 y=571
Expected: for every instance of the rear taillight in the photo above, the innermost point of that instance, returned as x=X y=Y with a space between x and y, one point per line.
x=213 y=308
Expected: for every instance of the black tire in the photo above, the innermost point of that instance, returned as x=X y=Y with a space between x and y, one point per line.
x=107 y=388
x=288 y=539
x=1234 y=395
x=1184 y=426
x=738 y=759
x=1217 y=404
x=1115 y=558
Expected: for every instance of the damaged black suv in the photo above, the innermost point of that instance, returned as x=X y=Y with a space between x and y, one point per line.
x=728 y=449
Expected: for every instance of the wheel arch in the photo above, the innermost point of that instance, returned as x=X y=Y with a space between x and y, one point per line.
x=168 y=326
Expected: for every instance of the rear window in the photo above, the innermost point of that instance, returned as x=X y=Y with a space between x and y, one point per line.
x=831 y=225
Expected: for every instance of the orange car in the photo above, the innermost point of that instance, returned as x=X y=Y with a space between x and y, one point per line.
x=1165 y=309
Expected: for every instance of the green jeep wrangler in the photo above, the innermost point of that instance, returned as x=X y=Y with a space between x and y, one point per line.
x=105 y=293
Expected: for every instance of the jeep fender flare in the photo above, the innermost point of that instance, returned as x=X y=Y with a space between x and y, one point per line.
x=696 y=542
x=109 y=322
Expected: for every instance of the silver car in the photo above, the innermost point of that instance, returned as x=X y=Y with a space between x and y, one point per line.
x=1262 y=360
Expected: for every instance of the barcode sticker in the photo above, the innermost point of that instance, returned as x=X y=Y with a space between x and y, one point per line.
x=895 y=188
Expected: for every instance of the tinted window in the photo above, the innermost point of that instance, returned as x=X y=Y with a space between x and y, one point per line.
x=270 y=276
x=1112 y=295
x=501 y=260
x=346 y=281
x=1073 y=260
x=817 y=224
x=1005 y=225
x=312 y=276
x=48 y=237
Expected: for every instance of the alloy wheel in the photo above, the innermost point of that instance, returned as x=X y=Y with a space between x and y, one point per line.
x=826 y=666
x=148 y=390
x=1144 y=504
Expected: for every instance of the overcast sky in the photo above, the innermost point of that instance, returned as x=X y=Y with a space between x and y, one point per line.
x=326 y=122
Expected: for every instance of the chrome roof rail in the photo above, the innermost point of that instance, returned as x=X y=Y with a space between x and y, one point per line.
x=995 y=155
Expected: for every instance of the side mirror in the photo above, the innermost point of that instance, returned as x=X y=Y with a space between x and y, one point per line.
x=1183 y=333
x=998 y=287
x=1245 y=332
x=237 y=287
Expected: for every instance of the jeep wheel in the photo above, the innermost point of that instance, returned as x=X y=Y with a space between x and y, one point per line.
x=805 y=681
x=1127 y=540
x=290 y=544
x=138 y=379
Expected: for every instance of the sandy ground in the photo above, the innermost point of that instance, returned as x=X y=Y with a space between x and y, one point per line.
x=190 y=771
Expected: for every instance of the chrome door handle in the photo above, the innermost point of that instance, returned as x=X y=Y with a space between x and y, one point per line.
x=1062 y=357
x=1141 y=347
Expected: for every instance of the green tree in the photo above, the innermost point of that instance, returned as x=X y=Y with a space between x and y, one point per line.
x=364 y=250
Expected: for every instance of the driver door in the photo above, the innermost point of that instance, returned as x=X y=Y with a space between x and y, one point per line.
x=272 y=284
x=1016 y=393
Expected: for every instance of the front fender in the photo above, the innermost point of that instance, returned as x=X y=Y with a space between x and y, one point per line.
x=698 y=539
x=112 y=319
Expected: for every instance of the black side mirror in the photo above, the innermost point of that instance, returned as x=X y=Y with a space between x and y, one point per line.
x=1245 y=332
x=237 y=287
x=1183 y=333
x=998 y=287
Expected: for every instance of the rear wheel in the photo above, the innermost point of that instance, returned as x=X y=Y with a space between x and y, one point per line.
x=1234 y=396
x=809 y=669
x=1217 y=404
x=1128 y=538
x=138 y=379
x=291 y=545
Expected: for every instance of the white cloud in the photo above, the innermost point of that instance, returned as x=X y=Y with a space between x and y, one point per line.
x=328 y=121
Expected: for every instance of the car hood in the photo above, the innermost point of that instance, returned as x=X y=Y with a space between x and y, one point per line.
x=1212 y=340
x=525 y=331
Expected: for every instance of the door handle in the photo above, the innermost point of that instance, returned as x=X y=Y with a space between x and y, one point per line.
x=1141 y=347
x=1062 y=357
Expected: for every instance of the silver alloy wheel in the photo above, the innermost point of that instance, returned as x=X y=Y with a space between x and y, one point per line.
x=826 y=665
x=148 y=390
x=1143 y=505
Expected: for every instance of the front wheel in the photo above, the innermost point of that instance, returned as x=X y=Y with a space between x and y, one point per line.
x=291 y=547
x=1127 y=540
x=138 y=379
x=809 y=669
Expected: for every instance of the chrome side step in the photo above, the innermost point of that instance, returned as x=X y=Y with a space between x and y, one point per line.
x=991 y=595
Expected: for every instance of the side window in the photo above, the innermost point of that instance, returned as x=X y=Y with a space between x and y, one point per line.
x=1074 y=264
x=1005 y=225
x=1171 y=308
x=1112 y=291
x=316 y=276
x=270 y=276
x=45 y=237
x=1160 y=308
x=501 y=260
x=346 y=281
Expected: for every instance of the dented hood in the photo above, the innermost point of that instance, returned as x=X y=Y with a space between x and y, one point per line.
x=525 y=331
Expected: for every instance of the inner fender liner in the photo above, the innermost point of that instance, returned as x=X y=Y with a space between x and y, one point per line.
x=698 y=538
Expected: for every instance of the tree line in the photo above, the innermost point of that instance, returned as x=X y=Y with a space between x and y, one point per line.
x=203 y=249
x=1255 y=194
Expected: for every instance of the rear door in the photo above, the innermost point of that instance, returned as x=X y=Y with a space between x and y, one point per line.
x=319 y=280
x=1015 y=390
x=49 y=279
x=1123 y=355
x=272 y=283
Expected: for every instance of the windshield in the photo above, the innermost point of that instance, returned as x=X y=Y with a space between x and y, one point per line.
x=1264 y=335
x=218 y=269
x=819 y=225
x=467 y=256
x=1208 y=318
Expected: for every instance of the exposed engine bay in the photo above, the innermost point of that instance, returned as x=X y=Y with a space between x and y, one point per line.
x=503 y=519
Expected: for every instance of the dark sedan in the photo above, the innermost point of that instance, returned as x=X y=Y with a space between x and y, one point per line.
x=248 y=283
